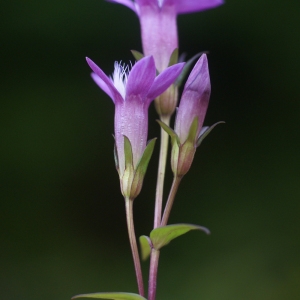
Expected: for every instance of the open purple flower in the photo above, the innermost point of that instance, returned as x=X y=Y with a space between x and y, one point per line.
x=132 y=91
x=158 y=24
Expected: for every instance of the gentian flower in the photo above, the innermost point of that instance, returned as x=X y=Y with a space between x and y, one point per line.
x=189 y=131
x=132 y=92
x=194 y=100
x=158 y=24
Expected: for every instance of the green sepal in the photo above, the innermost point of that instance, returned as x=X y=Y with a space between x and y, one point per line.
x=174 y=137
x=145 y=244
x=112 y=296
x=186 y=68
x=116 y=157
x=144 y=161
x=175 y=145
x=162 y=236
x=142 y=168
x=137 y=55
x=206 y=133
x=128 y=152
x=128 y=174
x=173 y=58
x=193 y=131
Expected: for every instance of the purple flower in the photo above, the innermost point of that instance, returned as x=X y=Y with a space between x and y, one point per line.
x=194 y=100
x=132 y=91
x=158 y=24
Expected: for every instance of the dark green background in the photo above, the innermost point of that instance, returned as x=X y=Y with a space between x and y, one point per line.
x=62 y=218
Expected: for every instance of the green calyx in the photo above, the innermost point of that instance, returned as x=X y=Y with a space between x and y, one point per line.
x=132 y=178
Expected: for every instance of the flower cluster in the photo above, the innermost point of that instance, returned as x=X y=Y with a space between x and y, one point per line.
x=155 y=76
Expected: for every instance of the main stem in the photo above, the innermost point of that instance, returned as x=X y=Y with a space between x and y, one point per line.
x=133 y=245
x=158 y=205
x=161 y=172
x=153 y=274
x=173 y=191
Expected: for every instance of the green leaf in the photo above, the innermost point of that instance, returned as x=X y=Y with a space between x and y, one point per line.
x=162 y=236
x=173 y=58
x=186 y=68
x=127 y=152
x=137 y=55
x=145 y=244
x=112 y=296
x=206 y=132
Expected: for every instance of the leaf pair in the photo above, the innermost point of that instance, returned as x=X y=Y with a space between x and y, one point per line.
x=112 y=296
x=162 y=236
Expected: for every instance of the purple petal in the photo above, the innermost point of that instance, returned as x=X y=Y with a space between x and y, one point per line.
x=164 y=80
x=114 y=94
x=127 y=3
x=199 y=77
x=103 y=86
x=189 y=6
x=141 y=77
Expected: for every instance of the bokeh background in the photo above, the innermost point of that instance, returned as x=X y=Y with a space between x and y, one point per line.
x=62 y=220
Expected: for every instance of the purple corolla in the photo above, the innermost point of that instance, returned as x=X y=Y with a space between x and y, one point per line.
x=132 y=91
x=188 y=132
x=194 y=100
x=158 y=24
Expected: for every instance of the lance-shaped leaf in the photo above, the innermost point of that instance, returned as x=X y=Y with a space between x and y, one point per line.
x=112 y=296
x=205 y=132
x=137 y=55
x=146 y=245
x=173 y=58
x=142 y=168
x=186 y=69
x=162 y=236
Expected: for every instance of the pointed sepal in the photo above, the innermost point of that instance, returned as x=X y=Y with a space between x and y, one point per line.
x=173 y=58
x=137 y=55
x=112 y=296
x=175 y=145
x=193 y=131
x=145 y=245
x=116 y=158
x=141 y=169
x=127 y=176
x=162 y=236
x=174 y=137
x=186 y=69
x=205 y=132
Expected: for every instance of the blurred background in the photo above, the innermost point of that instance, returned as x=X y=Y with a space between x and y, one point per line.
x=62 y=221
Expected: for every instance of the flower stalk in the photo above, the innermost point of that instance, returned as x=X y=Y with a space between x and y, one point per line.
x=133 y=245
